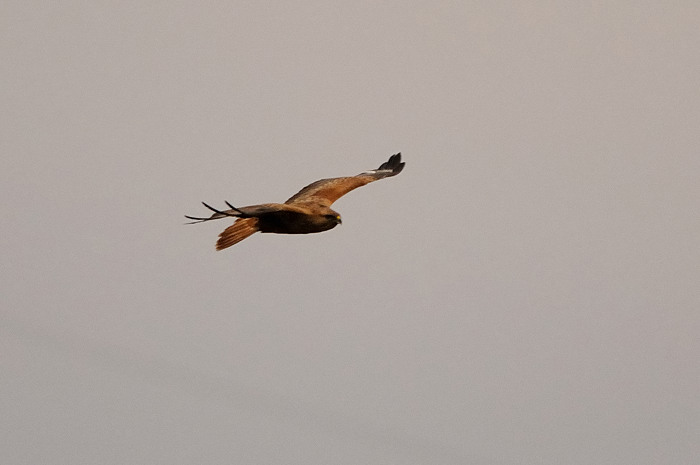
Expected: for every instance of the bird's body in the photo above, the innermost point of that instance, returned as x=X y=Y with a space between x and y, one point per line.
x=289 y=219
x=307 y=211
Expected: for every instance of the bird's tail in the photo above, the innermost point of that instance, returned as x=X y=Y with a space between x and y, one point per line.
x=242 y=228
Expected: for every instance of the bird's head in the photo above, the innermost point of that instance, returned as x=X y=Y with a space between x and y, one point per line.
x=334 y=217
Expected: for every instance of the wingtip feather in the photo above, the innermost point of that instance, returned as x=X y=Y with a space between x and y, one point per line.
x=394 y=164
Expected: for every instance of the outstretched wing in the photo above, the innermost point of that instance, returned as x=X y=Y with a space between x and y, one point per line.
x=327 y=191
x=252 y=211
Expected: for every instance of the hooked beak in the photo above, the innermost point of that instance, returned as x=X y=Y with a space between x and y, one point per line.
x=338 y=219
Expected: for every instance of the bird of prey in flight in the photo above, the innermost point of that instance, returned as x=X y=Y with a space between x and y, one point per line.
x=307 y=211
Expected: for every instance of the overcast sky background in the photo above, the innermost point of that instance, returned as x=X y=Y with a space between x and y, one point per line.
x=525 y=292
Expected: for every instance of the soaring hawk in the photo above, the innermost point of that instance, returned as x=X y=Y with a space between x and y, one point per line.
x=307 y=211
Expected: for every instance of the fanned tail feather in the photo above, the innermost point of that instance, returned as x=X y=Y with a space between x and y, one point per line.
x=238 y=231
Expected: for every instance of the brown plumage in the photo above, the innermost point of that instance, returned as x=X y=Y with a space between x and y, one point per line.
x=307 y=211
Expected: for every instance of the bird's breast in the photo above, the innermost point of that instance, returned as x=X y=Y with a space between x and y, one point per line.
x=295 y=223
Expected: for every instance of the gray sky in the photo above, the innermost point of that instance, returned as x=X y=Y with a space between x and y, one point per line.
x=525 y=292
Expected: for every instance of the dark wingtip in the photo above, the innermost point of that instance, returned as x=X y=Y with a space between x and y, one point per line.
x=394 y=164
x=223 y=213
x=210 y=207
x=242 y=215
x=196 y=220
